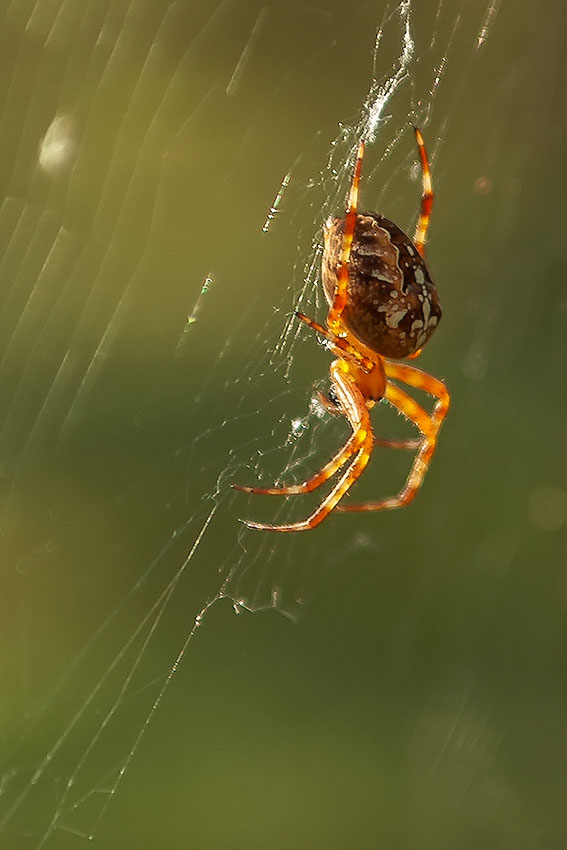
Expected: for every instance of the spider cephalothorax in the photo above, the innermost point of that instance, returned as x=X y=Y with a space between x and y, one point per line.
x=383 y=307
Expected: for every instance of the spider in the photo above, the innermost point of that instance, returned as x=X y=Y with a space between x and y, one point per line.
x=383 y=307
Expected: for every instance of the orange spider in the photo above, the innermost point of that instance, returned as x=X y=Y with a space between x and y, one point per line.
x=383 y=307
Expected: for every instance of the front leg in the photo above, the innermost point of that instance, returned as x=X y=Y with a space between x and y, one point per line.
x=341 y=289
x=338 y=345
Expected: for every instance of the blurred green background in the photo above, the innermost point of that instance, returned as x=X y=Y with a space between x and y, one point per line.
x=169 y=678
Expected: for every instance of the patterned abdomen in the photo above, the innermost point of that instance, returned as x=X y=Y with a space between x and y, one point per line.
x=392 y=305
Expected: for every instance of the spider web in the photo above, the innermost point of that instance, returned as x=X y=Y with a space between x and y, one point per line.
x=166 y=170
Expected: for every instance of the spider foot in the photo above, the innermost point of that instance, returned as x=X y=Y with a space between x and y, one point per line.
x=255 y=525
x=243 y=488
x=266 y=491
x=264 y=526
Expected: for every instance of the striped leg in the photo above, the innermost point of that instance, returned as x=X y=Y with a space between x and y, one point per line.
x=426 y=197
x=429 y=426
x=334 y=319
x=353 y=406
x=333 y=408
x=338 y=344
x=337 y=462
x=414 y=377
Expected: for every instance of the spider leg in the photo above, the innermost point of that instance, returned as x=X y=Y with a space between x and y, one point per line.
x=415 y=355
x=338 y=344
x=334 y=319
x=426 y=197
x=429 y=426
x=333 y=408
x=337 y=461
x=353 y=406
x=397 y=444
x=414 y=377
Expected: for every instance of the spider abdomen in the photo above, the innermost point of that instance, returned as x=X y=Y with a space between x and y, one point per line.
x=392 y=305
